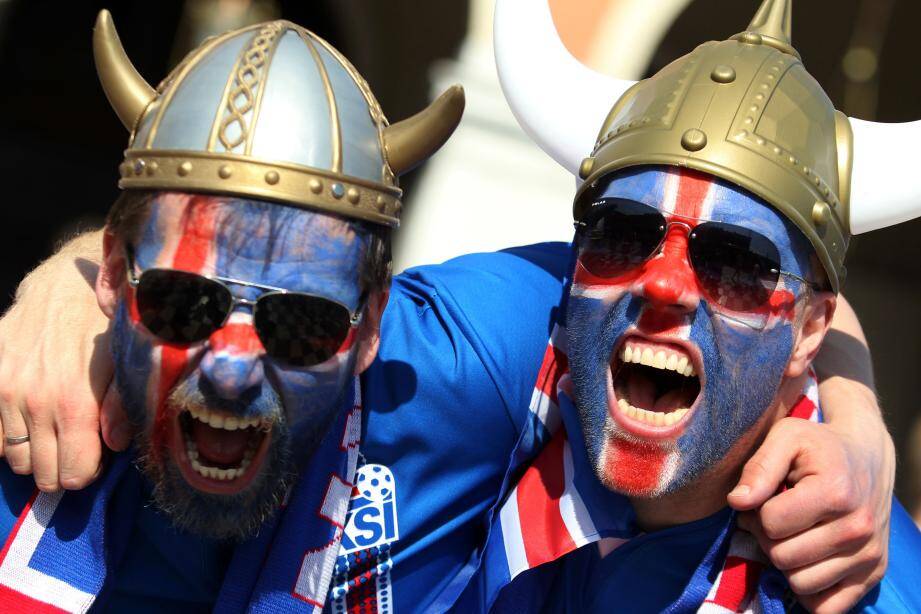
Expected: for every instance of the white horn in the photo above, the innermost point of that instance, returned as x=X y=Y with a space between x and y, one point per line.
x=884 y=186
x=560 y=103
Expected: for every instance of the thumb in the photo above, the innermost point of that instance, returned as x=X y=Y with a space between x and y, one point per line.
x=116 y=430
x=764 y=473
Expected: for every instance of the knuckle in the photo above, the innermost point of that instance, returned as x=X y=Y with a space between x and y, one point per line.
x=861 y=527
x=840 y=495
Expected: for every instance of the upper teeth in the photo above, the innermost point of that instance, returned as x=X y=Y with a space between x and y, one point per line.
x=223 y=421
x=668 y=358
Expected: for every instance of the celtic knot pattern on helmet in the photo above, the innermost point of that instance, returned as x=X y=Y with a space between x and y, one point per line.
x=242 y=95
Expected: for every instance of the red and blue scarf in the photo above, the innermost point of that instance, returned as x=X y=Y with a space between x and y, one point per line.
x=555 y=509
x=62 y=551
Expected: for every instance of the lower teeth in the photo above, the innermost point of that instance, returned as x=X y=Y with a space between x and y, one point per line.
x=656 y=418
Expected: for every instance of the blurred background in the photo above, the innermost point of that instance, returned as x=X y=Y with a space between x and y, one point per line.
x=60 y=143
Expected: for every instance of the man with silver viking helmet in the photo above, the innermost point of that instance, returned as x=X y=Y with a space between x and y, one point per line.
x=245 y=269
x=451 y=393
x=712 y=222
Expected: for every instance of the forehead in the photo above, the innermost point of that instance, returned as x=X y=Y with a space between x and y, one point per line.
x=250 y=240
x=686 y=193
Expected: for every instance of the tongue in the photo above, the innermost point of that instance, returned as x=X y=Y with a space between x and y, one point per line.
x=670 y=401
x=641 y=393
x=219 y=446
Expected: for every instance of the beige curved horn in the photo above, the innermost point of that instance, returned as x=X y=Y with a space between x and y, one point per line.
x=414 y=139
x=125 y=88
x=559 y=102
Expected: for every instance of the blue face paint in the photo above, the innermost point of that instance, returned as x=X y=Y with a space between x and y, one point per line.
x=660 y=307
x=172 y=391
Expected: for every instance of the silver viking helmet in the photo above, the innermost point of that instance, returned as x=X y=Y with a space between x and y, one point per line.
x=269 y=111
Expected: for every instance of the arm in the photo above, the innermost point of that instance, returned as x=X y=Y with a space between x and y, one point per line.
x=44 y=388
x=829 y=534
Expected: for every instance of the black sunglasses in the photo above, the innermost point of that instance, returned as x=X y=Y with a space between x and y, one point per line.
x=737 y=268
x=295 y=327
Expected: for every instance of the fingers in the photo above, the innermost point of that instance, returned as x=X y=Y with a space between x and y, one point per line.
x=839 y=598
x=812 y=500
x=18 y=455
x=858 y=565
x=43 y=443
x=79 y=447
x=116 y=430
x=766 y=471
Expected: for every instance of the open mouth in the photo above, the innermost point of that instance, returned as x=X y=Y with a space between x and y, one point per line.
x=655 y=384
x=218 y=452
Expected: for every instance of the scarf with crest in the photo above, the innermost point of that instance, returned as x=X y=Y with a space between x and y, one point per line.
x=62 y=551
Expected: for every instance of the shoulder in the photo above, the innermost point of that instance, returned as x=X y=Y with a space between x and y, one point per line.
x=480 y=321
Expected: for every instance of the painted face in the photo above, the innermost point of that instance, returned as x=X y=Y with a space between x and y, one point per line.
x=220 y=419
x=666 y=380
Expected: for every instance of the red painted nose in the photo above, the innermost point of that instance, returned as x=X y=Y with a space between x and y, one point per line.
x=668 y=281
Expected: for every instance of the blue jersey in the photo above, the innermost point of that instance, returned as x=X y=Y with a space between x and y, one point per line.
x=650 y=572
x=461 y=344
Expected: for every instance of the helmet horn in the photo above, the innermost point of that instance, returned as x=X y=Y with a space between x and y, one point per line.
x=125 y=88
x=560 y=103
x=885 y=160
x=414 y=139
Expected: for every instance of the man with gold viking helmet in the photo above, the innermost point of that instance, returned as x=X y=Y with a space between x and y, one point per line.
x=450 y=395
x=712 y=220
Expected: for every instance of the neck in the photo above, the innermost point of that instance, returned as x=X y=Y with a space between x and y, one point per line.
x=706 y=495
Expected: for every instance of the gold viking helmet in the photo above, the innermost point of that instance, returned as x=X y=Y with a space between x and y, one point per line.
x=743 y=109
x=273 y=112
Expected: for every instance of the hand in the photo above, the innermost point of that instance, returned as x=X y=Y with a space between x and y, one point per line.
x=829 y=531
x=55 y=370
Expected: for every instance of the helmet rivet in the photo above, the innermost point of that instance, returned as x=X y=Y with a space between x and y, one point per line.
x=353 y=196
x=723 y=74
x=693 y=140
x=585 y=169
x=751 y=38
x=315 y=186
x=820 y=213
x=224 y=172
x=381 y=203
x=152 y=168
x=139 y=166
x=272 y=177
x=185 y=168
x=337 y=190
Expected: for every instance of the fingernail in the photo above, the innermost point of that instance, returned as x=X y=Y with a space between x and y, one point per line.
x=740 y=491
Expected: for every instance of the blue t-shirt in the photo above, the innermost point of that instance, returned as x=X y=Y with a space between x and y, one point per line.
x=649 y=573
x=461 y=344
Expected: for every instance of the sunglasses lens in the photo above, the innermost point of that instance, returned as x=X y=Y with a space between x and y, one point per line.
x=737 y=268
x=619 y=235
x=301 y=330
x=181 y=307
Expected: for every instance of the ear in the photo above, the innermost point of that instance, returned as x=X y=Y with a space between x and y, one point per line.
x=369 y=332
x=816 y=322
x=112 y=274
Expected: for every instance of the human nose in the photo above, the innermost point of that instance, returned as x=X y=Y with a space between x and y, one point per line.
x=233 y=362
x=668 y=280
